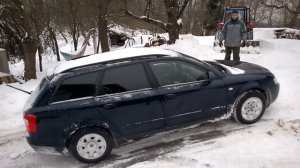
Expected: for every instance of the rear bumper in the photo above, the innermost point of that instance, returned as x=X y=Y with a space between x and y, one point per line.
x=50 y=150
x=38 y=147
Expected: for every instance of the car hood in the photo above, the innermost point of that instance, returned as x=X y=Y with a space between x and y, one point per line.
x=243 y=67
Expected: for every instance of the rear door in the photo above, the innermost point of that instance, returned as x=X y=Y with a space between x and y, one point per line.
x=128 y=101
x=187 y=93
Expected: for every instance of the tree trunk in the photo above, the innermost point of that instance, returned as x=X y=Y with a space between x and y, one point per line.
x=173 y=34
x=102 y=25
x=40 y=51
x=56 y=47
x=53 y=37
x=29 y=49
x=29 y=43
x=190 y=18
x=103 y=34
x=75 y=40
x=172 y=26
x=270 y=18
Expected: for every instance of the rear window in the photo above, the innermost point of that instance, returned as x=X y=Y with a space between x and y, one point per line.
x=33 y=96
x=76 y=87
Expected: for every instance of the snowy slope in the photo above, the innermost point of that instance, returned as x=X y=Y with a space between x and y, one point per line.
x=272 y=142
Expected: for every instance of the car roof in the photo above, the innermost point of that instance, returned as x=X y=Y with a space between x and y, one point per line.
x=110 y=56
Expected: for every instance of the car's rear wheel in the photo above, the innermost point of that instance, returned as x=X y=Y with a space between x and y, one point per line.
x=91 y=145
x=249 y=107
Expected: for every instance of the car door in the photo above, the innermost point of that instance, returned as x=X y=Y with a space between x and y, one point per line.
x=129 y=102
x=187 y=92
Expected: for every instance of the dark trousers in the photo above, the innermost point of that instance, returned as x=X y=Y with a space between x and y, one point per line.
x=236 y=53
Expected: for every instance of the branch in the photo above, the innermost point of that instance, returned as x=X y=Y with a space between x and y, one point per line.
x=263 y=2
x=148 y=20
x=182 y=8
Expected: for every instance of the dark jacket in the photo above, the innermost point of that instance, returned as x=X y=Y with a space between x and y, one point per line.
x=233 y=32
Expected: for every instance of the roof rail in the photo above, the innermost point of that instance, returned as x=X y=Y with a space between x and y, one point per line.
x=116 y=61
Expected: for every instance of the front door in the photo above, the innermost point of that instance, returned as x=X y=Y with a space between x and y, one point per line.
x=187 y=92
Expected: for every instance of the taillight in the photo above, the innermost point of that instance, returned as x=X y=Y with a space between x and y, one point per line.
x=30 y=123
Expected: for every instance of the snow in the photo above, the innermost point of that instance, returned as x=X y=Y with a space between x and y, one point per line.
x=11 y=103
x=233 y=70
x=179 y=21
x=236 y=150
x=274 y=141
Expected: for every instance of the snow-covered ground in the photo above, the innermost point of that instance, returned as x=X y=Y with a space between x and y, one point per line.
x=272 y=142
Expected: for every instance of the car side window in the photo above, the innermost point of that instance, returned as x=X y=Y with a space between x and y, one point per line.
x=174 y=72
x=77 y=87
x=125 y=78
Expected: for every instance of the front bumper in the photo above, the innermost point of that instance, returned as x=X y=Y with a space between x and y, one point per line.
x=273 y=93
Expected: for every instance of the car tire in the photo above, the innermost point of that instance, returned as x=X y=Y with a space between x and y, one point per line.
x=249 y=107
x=91 y=145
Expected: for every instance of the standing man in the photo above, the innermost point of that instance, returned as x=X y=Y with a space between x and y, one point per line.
x=233 y=32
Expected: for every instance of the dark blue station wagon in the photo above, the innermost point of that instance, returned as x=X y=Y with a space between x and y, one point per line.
x=92 y=104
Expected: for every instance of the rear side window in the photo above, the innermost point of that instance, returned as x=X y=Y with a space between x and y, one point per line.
x=76 y=87
x=125 y=78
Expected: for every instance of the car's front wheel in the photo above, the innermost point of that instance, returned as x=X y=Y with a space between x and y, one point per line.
x=91 y=145
x=249 y=107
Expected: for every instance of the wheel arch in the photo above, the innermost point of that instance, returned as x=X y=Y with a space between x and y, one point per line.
x=252 y=86
x=70 y=133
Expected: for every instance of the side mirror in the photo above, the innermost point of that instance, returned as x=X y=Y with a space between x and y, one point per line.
x=211 y=75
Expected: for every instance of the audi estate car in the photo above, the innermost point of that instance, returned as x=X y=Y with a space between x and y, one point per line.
x=90 y=105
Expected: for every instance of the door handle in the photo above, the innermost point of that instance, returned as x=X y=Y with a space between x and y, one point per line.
x=109 y=106
x=169 y=96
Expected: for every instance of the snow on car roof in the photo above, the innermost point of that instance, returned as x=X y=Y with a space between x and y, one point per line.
x=110 y=56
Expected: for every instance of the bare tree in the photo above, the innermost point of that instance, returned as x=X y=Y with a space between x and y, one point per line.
x=70 y=10
x=19 y=23
x=291 y=6
x=174 y=11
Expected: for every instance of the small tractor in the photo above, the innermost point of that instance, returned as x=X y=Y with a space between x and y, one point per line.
x=252 y=46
